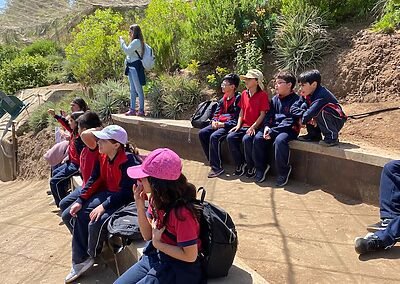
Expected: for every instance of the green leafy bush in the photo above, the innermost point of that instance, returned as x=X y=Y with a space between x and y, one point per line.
x=211 y=30
x=389 y=19
x=257 y=19
x=7 y=53
x=24 y=72
x=172 y=96
x=214 y=80
x=164 y=27
x=301 y=38
x=43 y=48
x=94 y=52
x=248 y=56
x=39 y=119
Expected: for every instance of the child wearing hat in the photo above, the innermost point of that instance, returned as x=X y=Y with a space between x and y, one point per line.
x=170 y=223
x=253 y=106
x=225 y=117
x=107 y=189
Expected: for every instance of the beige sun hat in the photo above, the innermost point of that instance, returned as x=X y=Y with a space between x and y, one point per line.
x=254 y=74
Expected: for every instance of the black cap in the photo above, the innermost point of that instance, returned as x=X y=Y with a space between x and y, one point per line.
x=233 y=79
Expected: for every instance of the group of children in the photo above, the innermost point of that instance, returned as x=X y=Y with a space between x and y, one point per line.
x=251 y=122
x=114 y=175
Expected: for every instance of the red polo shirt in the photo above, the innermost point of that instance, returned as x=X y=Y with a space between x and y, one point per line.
x=253 y=106
x=88 y=159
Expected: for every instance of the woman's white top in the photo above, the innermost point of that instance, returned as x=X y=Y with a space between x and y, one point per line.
x=129 y=50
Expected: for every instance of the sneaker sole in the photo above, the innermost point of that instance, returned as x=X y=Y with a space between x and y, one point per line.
x=216 y=174
x=83 y=270
x=287 y=178
x=375 y=229
x=264 y=175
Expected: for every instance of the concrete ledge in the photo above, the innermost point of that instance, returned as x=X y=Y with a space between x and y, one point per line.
x=347 y=169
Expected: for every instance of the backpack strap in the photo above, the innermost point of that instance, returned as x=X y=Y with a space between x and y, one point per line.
x=138 y=55
x=203 y=194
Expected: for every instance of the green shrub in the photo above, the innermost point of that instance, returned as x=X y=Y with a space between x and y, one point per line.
x=164 y=27
x=211 y=30
x=248 y=56
x=7 y=53
x=389 y=19
x=301 y=38
x=257 y=19
x=39 y=119
x=24 y=72
x=42 y=48
x=94 y=52
x=171 y=96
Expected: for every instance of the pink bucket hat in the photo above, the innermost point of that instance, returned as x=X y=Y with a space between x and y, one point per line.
x=161 y=163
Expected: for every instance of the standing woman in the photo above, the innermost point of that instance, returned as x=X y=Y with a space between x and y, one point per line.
x=134 y=68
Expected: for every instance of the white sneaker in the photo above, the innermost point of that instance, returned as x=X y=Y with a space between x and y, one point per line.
x=78 y=269
x=52 y=202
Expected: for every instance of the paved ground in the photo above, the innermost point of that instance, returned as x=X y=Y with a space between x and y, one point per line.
x=299 y=234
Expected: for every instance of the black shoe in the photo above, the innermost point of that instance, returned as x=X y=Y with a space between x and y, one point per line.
x=251 y=173
x=283 y=180
x=309 y=138
x=369 y=243
x=380 y=226
x=240 y=170
x=261 y=175
x=48 y=192
x=329 y=143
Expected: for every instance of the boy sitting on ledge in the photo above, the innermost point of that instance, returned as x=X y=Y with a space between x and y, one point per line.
x=319 y=109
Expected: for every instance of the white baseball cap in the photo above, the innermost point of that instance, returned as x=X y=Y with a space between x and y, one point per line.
x=115 y=132
x=254 y=74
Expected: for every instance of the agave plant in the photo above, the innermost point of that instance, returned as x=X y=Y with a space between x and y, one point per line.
x=301 y=39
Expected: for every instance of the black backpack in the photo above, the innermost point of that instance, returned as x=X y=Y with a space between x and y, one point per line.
x=124 y=225
x=218 y=238
x=203 y=114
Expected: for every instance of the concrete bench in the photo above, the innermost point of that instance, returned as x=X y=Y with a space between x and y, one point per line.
x=239 y=273
x=347 y=169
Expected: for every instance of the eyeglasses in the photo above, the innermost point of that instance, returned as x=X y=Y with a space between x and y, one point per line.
x=280 y=82
x=223 y=85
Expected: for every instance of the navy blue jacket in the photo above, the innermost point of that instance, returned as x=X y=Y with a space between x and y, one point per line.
x=279 y=118
x=231 y=115
x=311 y=106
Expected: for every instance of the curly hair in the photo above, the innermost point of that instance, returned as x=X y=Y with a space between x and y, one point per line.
x=173 y=195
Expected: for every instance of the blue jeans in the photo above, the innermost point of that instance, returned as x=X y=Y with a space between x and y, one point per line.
x=87 y=236
x=211 y=140
x=158 y=268
x=65 y=206
x=281 y=150
x=60 y=180
x=136 y=89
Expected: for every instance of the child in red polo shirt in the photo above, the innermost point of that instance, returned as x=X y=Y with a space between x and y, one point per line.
x=171 y=223
x=254 y=104
x=89 y=159
x=60 y=177
x=108 y=189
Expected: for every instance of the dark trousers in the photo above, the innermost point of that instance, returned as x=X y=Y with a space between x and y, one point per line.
x=211 y=140
x=158 y=268
x=390 y=202
x=59 y=182
x=235 y=140
x=87 y=236
x=328 y=124
x=281 y=150
x=65 y=206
